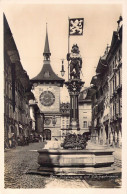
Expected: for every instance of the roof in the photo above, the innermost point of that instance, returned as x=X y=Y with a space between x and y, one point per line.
x=90 y=93
x=102 y=64
x=47 y=74
x=85 y=96
x=9 y=42
x=116 y=41
x=11 y=55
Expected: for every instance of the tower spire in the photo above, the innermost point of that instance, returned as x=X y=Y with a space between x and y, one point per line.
x=46 y=53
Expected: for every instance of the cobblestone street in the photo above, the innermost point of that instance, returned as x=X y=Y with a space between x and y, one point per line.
x=17 y=162
x=22 y=158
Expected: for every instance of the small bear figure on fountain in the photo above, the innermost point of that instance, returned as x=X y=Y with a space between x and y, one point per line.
x=75 y=62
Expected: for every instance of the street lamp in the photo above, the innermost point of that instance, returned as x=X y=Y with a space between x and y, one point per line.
x=62 y=70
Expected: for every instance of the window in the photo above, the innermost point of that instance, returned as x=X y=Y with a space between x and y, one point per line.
x=113 y=85
x=119 y=107
x=111 y=111
x=7 y=109
x=115 y=60
x=115 y=81
x=97 y=95
x=113 y=65
x=119 y=55
x=110 y=88
x=84 y=124
x=115 y=108
x=101 y=91
x=119 y=78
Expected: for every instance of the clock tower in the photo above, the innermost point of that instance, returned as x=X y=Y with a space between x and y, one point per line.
x=46 y=89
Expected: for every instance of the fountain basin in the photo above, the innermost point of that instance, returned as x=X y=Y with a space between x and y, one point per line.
x=75 y=161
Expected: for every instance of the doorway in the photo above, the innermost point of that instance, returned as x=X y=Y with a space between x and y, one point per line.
x=47 y=134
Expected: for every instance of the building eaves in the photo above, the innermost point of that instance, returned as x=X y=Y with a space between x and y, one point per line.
x=47 y=74
x=9 y=42
x=102 y=64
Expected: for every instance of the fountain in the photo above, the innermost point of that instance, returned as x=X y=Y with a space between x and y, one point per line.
x=72 y=157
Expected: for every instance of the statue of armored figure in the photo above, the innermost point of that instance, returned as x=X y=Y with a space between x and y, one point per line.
x=75 y=62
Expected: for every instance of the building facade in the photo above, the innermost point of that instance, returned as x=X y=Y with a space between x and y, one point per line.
x=115 y=85
x=100 y=102
x=85 y=111
x=16 y=92
x=107 y=97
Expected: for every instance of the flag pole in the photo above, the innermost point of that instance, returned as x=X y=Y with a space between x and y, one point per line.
x=68 y=46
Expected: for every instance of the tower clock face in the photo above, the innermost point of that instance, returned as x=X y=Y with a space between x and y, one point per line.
x=47 y=121
x=47 y=98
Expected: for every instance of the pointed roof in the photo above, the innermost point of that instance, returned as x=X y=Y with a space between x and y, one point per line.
x=47 y=74
x=46 y=48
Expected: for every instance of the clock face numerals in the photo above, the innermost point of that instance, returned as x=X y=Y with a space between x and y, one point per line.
x=47 y=98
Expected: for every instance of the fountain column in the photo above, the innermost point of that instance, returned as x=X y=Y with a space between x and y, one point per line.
x=74 y=85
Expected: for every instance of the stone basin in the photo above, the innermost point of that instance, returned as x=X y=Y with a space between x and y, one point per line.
x=75 y=161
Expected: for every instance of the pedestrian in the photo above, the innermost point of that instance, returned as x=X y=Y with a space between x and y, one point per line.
x=18 y=140
x=10 y=142
x=13 y=141
x=27 y=140
x=41 y=138
x=21 y=139
x=116 y=138
x=111 y=139
x=6 y=146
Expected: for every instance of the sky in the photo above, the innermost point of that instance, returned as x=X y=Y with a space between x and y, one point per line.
x=28 y=26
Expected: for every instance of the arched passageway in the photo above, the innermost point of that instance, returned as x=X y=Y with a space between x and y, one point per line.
x=47 y=134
